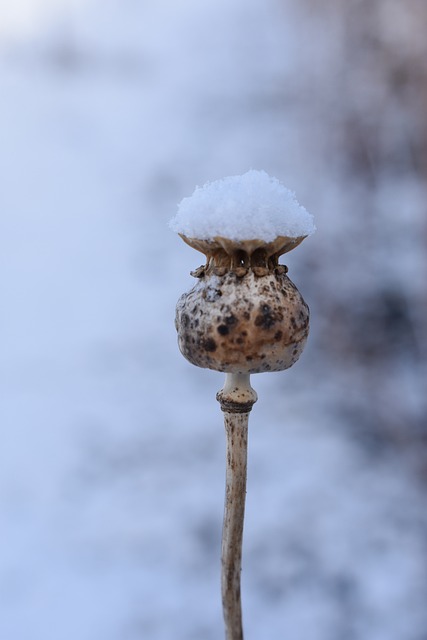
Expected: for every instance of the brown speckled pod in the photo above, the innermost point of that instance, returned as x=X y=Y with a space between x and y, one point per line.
x=244 y=315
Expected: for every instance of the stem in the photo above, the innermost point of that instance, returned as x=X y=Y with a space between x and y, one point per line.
x=236 y=428
x=237 y=399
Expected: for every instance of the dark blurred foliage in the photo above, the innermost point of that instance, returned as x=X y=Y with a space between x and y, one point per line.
x=367 y=287
x=386 y=44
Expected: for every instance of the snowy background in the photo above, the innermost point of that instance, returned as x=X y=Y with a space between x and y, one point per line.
x=112 y=445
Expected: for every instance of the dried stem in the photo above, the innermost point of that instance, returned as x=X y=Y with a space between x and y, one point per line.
x=236 y=428
x=237 y=399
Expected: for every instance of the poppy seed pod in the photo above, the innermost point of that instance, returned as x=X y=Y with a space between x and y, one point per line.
x=244 y=315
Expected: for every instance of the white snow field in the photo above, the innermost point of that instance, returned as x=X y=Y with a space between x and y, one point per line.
x=112 y=445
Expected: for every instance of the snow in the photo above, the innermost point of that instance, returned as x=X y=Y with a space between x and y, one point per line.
x=27 y=16
x=247 y=207
x=112 y=445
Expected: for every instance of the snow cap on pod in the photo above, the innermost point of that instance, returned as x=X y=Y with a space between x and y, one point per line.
x=239 y=208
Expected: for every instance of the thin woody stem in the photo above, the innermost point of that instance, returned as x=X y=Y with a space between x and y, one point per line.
x=237 y=399
x=236 y=428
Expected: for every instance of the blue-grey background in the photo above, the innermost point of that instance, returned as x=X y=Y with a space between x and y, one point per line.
x=111 y=444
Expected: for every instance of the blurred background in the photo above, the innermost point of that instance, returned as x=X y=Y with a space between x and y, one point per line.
x=112 y=445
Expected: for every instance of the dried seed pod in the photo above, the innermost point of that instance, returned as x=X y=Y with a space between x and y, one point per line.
x=244 y=315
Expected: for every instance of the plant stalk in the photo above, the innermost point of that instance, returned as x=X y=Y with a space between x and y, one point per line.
x=237 y=399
